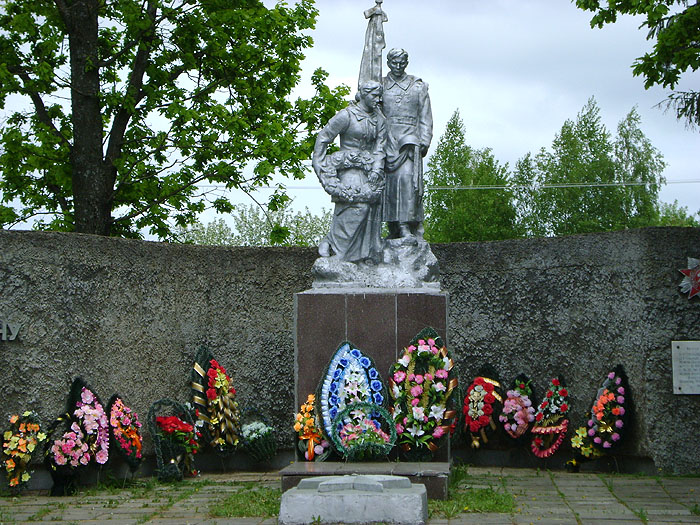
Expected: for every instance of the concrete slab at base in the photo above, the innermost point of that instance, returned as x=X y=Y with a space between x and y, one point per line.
x=433 y=475
x=355 y=499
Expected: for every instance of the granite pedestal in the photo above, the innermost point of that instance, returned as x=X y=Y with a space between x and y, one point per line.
x=380 y=322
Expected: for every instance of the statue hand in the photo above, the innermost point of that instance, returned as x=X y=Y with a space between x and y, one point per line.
x=376 y=176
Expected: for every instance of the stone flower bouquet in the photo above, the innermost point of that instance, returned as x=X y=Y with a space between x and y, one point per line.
x=364 y=432
x=257 y=436
x=18 y=446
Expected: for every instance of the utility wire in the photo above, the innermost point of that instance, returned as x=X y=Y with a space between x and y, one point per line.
x=502 y=186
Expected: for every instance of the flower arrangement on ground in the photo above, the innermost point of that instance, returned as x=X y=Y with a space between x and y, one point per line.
x=125 y=431
x=607 y=420
x=518 y=412
x=551 y=420
x=311 y=441
x=88 y=435
x=215 y=402
x=18 y=446
x=364 y=432
x=350 y=377
x=257 y=436
x=175 y=438
x=420 y=384
x=479 y=408
x=85 y=437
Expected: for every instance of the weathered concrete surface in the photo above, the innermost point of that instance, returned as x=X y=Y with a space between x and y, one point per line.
x=355 y=499
x=128 y=316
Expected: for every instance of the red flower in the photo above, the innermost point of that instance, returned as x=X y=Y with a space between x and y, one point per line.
x=232 y=390
x=489 y=398
x=211 y=394
x=474 y=426
x=522 y=385
x=214 y=363
x=483 y=420
x=550 y=393
x=488 y=410
x=555 y=382
x=539 y=416
x=211 y=373
x=564 y=407
x=544 y=404
x=563 y=392
x=488 y=387
x=479 y=381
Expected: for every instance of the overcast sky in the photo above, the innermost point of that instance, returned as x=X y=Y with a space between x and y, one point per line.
x=515 y=69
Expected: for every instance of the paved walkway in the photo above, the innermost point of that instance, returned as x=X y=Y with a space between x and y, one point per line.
x=543 y=498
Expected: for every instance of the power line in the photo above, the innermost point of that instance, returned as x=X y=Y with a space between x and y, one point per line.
x=498 y=187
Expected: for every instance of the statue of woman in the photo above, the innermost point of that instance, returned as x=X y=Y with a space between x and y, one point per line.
x=354 y=177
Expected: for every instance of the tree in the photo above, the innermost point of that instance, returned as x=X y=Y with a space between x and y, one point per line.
x=254 y=227
x=589 y=182
x=165 y=97
x=676 y=215
x=676 y=27
x=454 y=212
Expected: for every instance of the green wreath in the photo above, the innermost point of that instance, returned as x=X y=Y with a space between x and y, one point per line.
x=370 y=444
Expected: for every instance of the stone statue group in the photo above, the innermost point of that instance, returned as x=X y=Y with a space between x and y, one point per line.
x=377 y=174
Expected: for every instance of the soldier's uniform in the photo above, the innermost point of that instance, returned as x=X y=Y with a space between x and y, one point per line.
x=409 y=123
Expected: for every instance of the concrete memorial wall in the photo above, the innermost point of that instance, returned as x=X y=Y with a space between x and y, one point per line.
x=129 y=315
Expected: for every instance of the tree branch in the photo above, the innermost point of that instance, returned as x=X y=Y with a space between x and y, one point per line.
x=121 y=119
x=161 y=200
x=39 y=106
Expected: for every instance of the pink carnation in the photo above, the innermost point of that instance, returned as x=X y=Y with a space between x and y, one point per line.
x=399 y=428
x=615 y=437
x=419 y=379
x=607 y=444
x=438 y=433
x=428 y=377
x=416 y=390
x=442 y=374
x=415 y=400
x=399 y=376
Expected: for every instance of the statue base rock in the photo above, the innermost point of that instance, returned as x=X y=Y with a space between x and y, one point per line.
x=406 y=263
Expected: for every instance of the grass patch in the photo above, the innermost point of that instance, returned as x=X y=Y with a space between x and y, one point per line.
x=695 y=509
x=471 y=500
x=249 y=502
x=642 y=515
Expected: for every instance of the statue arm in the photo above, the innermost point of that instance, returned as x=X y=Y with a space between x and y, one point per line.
x=425 y=120
x=336 y=125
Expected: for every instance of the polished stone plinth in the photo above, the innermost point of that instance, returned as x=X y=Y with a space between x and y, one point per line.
x=377 y=321
x=380 y=322
x=433 y=475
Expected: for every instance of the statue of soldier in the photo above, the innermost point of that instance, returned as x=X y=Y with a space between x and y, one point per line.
x=409 y=124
